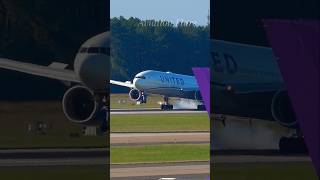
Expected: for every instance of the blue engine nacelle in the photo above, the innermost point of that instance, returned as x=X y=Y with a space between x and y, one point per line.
x=197 y=96
x=282 y=110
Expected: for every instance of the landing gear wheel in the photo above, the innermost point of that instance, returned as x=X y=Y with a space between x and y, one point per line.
x=201 y=107
x=292 y=145
x=166 y=107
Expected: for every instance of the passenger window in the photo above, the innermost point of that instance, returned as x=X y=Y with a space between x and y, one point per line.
x=103 y=50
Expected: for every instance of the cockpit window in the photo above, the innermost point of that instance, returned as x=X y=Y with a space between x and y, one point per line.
x=140 y=77
x=104 y=51
x=95 y=50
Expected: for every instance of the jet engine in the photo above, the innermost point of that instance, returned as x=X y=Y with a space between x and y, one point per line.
x=197 y=96
x=282 y=110
x=135 y=94
x=80 y=106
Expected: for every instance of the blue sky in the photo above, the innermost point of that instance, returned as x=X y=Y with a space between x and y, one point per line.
x=195 y=11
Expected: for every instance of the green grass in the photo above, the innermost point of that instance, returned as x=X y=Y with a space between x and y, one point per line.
x=270 y=171
x=54 y=173
x=160 y=153
x=15 y=118
x=159 y=122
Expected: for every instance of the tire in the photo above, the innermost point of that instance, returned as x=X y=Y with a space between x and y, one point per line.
x=166 y=107
x=163 y=107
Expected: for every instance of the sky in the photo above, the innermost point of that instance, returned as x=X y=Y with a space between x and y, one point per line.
x=195 y=11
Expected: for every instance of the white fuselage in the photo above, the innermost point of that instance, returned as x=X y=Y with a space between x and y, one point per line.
x=91 y=63
x=166 y=84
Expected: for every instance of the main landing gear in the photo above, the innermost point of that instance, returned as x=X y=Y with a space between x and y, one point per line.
x=104 y=111
x=201 y=107
x=166 y=106
x=294 y=144
x=143 y=98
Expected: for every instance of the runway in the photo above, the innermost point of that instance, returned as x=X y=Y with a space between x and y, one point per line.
x=53 y=157
x=46 y=162
x=191 y=171
x=159 y=138
x=53 y=153
x=153 y=111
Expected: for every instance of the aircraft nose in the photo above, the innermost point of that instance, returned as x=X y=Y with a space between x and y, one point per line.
x=137 y=83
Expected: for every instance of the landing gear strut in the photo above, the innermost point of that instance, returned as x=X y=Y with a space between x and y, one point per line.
x=293 y=144
x=143 y=98
x=166 y=105
x=104 y=112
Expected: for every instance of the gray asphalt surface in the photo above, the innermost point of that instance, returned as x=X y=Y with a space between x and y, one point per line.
x=190 y=170
x=118 y=139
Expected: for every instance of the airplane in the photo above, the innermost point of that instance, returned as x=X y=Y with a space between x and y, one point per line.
x=246 y=82
x=166 y=84
x=85 y=102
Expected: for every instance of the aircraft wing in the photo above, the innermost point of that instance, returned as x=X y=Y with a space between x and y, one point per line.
x=54 y=71
x=125 y=84
x=258 y=88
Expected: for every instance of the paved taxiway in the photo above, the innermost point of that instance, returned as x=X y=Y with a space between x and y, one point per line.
x=53 y=157
x=188 y=170
x=172 y=177
x=159 y=138
x=45 y=162
x=52 y=153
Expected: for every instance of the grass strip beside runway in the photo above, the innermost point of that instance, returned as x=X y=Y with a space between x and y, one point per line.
x=20 y=121
x=160 y=153
x=160 y=123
